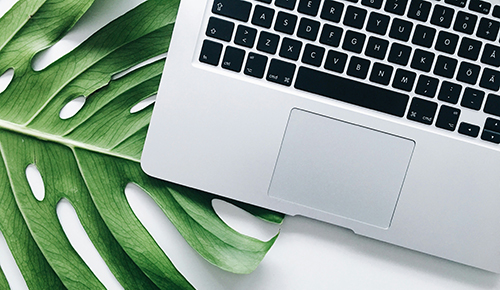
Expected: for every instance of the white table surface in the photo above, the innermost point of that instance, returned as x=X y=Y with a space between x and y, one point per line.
x=307 y=255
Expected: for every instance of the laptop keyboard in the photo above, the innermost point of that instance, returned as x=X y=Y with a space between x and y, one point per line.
x=431 y=62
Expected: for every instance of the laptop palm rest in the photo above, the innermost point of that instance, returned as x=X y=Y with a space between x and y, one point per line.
x=341 y=168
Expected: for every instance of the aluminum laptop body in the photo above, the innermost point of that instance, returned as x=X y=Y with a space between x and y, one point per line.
x=339 y=154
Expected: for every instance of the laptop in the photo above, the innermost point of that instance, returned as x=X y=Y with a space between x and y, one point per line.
x=380 y=116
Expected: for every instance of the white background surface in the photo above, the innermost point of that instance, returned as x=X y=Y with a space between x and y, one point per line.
x=307 y=255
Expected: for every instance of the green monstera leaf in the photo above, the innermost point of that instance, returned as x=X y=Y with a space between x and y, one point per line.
x=90 y=158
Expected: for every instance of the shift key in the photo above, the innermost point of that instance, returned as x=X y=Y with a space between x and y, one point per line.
x=236 y=9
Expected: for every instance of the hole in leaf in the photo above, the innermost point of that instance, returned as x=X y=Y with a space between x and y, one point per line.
x=98 y=15
x=82 y=244
x=35 y=181
x=6 y=5
x=142 y=64
x=5 y=79
x=72 y=108
x=243 y=222
x=9 y=267
x=143 y=104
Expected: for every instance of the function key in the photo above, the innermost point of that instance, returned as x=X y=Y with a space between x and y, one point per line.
x=468 y=129
x=239 y=10
x=263 y=16
x=332 y=10
x=355 y=17
x=287 y=4
x=419 y=10
x=220 y=29
x=465 y=22
x=309 y=7
x=480 y=6
x=372 y=3
x=459 y=3
x=442 y=16
x=447 y=118
x=396 y=6
x=210 y=52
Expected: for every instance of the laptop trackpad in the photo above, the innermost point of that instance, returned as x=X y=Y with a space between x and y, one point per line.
x=341 y=168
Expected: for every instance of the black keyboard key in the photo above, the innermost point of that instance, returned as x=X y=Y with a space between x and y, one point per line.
x=472 y=99
x=309 y=7
x=423 y=36
x=355 y=17
x=256 y=65
x=469 y=48
x=492 y=125
x=419 y=10
x=449 y=92
x=442 y=16
x=427 y=86
x=313 y=55
x=399 y=54
x=358 y=67
x=491 y=55
x=404 y=80
x=396 y=6
x=210 y=52
x=445 y=66
x=308 y=29
x=233 y=59
x=468 y=73
x=245 y=36
x=239 y=10
x=290 y=48
x=459 y=3
x=377 y=4
x=268 y=42
x=376 y=47
x=492 y=105
x=331 y=35
x=381 y=74
x=496 y=11
x=447 y=42
x=491 y=136
x=336 y=61
x=448 y=118
x=285 y=23
x=263 y=16
x=281 y=72
x=220 y=29
x=468 y=129
x=465 y=22
x=265 y=1
x=288 y=4
x=422 y=60
x=378 y=23
x=332 y=10
x=488 y=29
x=422 y=111
x=353 y=41
x=353 y=92
x=400 y=29
x=490 y=79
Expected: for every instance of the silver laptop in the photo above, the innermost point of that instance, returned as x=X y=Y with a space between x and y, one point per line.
x=381 y=116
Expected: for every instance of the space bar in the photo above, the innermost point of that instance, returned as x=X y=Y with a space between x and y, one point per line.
x=352 y=92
